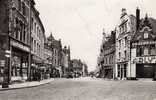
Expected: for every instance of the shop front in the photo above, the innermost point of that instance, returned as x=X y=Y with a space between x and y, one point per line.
x=145 y=70
x=36 y=70
x=122 y=70
x=108 y=72
x=19 y=61
x=145 y=66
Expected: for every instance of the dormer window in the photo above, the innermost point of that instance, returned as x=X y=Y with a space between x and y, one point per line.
x=146 y=35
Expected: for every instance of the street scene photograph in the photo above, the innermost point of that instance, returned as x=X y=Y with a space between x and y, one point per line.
x=77 y=50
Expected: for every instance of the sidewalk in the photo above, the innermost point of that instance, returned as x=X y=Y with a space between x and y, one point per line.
x=27 y=84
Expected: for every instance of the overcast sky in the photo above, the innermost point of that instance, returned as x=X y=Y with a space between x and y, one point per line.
x=79 y=23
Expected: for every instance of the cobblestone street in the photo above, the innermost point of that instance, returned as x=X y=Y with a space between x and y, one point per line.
x=85 y=89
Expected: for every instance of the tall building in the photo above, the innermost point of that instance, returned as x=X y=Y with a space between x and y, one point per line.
x=106 y=60
x=15 y=24
x=66 y=68
x=37 y=40
x=143 y=50
x=18 y=29
x=56 y=48
x=124 y=31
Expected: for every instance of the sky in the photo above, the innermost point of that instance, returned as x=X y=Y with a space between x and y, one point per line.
x=80 y=23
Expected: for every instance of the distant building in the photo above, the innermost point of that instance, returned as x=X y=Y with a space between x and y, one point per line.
x=85 y=70
x=77 y=67
x=56 y=47
x=66 y=68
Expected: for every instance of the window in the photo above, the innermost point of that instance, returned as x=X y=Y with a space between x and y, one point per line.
x=146 y=51
x=125 y=27
x=119 y=44
x=21 y=30
x=34 y=28
x=23 y=9
x=119 y=55
x=140 y=51
x=145 y=35
x=19 y=5
x=126 y=40
x=152 y=50
x=32 y=21
x=17 y=29
x=125 y=54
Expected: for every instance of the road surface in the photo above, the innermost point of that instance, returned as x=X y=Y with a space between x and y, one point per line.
x=85 y=89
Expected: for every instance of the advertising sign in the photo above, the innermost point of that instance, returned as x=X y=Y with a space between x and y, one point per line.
x=142 y=60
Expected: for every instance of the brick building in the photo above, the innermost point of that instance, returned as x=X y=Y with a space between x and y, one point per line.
x=143 y=50
x=66 y=67
x=18 y=28
x=56 y=48
x=106 y=60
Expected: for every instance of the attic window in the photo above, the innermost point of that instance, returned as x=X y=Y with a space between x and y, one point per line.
x=145 y=35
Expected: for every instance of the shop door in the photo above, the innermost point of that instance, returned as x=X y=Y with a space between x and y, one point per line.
x=148 y=71
x=144 y=71
x=139 y=71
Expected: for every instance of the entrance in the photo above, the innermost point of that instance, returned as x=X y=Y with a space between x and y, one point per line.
x=144 y=70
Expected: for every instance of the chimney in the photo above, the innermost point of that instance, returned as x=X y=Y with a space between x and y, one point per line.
x=137 y=18
x=123 y=12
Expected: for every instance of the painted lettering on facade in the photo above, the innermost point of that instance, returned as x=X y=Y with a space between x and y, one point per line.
x=142 y=60
x=20 y=46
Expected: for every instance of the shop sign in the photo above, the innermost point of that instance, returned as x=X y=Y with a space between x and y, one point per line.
x=19 y=45
x=141 y=60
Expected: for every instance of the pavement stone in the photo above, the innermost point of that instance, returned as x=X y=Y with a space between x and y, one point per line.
x=27 y=84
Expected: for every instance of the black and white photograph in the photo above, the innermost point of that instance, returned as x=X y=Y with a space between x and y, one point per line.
x=77 y=49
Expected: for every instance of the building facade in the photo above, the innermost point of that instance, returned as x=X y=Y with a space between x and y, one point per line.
x=37 y=40
x=143 y=51
x=85 y=70
x=66 y=68
x=107 y=56
x=19 y=29
x=77 y=67
x=56 y=48
x=124 y=32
